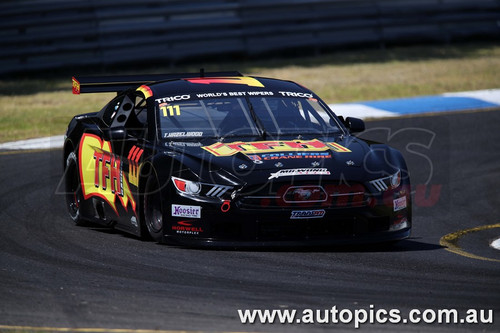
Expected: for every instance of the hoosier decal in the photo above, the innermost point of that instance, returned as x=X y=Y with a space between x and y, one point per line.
x=399 y=203
x=229 y=149
x=186 y=211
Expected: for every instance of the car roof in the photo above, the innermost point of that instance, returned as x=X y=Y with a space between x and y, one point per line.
x=222 y=85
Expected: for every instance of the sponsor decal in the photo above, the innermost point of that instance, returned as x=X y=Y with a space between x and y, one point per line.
x=249 y=81
x=183 y=144
x=182 y=134
x=146 y=91
x=234 y=94
x=295 y=94
x=293 y=155
x=255 y=158
x=299 y=172
x=186 y=211
x=173 y=98
x=101 y=173
x=307 y=214
x=229 y=149
x=186 y=228
x=399 y=203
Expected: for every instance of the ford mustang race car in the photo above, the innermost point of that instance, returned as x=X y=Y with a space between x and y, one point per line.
x=230 y=160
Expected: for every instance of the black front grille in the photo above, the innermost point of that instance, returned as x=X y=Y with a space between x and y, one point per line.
x=274 y=195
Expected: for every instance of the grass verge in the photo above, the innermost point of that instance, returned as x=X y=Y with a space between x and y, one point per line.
x=43 y=106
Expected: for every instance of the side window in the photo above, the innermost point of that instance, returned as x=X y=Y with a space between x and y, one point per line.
x=110 y=110
x=123 y=113
x=141 y=110
x=129 y=111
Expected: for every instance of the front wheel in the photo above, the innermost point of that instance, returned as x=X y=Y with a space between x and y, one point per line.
x=153 y=212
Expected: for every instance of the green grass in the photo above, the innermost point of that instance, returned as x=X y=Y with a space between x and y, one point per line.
x=43 y=106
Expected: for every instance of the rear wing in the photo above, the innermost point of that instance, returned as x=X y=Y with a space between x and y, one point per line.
x=95 y=84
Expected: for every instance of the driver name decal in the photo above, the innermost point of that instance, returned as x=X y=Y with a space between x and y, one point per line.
x=229 y=149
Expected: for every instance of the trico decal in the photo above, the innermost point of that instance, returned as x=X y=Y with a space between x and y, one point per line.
x=295 y=94
x=299 y=172
x=186 y=211
x=229 y=149
x=399 y=203
x=173 y=98
x=249 y=81
x=101 y=173
x=307 y=214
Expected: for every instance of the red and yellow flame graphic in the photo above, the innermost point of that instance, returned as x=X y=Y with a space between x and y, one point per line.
x=101 y=173
x=146 y=91
x=249 y=81
x=228 y=149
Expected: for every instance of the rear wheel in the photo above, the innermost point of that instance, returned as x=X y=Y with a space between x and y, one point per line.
x=153 y=212
x=74 y=194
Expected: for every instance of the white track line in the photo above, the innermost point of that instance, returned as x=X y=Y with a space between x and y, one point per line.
x=40 y=143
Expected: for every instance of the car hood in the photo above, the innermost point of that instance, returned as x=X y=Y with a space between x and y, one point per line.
x=343 y=157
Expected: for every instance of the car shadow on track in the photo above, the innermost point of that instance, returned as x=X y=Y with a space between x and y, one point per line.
x=411 y=244
x=407 y=245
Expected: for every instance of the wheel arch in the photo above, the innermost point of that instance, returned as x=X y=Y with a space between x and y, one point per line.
x=69 y=147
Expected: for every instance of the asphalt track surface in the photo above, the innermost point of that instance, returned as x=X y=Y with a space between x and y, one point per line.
x=54 y=274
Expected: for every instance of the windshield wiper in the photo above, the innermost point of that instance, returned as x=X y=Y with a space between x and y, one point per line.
x=260 y=126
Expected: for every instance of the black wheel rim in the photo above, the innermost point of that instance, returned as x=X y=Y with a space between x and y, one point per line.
x=154 y=216
x=73 y=190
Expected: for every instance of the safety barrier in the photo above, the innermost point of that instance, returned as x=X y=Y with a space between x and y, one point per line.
x=45 y=34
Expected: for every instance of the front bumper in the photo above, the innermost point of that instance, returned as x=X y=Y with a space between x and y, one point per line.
x=218 y=226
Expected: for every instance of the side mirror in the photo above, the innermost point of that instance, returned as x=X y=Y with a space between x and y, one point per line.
x=114 y=133
x=354 y=124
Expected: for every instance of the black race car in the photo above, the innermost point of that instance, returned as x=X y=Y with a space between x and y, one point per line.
x=230 y=160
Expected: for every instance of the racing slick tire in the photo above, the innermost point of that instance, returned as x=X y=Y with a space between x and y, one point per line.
x=153 y=211
x=73 y=187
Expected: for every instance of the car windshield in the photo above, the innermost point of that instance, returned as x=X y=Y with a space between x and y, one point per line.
x=223 y=117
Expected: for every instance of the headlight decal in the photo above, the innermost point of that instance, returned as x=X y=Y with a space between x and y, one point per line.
x=218 y=190
x=386 y=183
x=200 y=189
